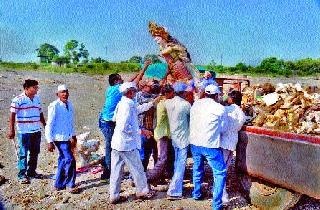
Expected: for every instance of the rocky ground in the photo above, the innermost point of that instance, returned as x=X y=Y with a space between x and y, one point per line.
x=87 y=95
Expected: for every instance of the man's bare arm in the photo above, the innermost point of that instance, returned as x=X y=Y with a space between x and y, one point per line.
x=12 y=121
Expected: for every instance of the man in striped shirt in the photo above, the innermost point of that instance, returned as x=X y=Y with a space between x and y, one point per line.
x=26 y=113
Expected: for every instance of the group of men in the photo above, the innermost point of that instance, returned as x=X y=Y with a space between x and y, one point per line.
x=142 y=115
x=138 y=118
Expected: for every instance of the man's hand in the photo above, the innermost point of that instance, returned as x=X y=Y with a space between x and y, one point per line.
x=147 y=63
x=73 y=142
x=50 y=147
x=11 y=134
x=147 y=133
x=157 y=100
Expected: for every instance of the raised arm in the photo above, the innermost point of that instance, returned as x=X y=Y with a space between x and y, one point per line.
x=136 y=78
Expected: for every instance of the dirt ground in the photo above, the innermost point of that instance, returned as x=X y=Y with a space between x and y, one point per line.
x=87 y=95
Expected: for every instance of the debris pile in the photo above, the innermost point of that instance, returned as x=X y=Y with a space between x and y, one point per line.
x=286 y=107
x=86 y=149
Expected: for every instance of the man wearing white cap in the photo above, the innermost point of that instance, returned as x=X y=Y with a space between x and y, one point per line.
x=60 y=132
x=178 y=110
x=125 y=143
x=207 y=119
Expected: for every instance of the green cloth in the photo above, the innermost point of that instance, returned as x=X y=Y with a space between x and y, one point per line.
x=156 y=70
x=162 y=128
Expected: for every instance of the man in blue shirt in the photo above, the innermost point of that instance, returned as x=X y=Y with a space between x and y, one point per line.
x=106 y=125
x=60 y=133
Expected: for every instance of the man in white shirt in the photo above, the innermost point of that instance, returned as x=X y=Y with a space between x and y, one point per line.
x=26 y=113
x=207 y=119
x=125 y=144
x=178 y=110
x=60 y=132
x=229 y=139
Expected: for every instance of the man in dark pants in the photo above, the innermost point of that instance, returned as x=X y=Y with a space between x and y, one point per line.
x=60 y=132
x=26 y=113
x=147 y=122
x=106 y=125
x=164 y=166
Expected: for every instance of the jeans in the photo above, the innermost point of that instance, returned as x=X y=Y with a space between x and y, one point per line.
x=133 y=162
x=66 y=172
x=176 y=184
x=214 y=157
x=107 y=129
x=148 y=147
x=29 y=149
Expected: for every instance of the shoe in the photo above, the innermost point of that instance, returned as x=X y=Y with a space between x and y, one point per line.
x=24 y=180
x=173 y=198
x=35 y=176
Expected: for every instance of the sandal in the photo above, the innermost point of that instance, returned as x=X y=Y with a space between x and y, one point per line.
x=82 y=169
x=24 y=180
x=145 y=196
x=74 y=190
x=118 y=200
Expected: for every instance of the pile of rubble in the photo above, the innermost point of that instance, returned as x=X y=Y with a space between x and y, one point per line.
x=87 y=152
x=286 y=107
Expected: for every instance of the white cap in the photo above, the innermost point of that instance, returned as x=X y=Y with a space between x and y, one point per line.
x=62 y=87
x=212 y=89
x=127 y=85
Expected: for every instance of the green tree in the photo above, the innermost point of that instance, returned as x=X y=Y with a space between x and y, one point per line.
x=241 y=67
x=98 y=60
x=83 y=53
x=154 y=58
x=272 y=65
x=135 y=59
x=71 y=52
x=47 y=52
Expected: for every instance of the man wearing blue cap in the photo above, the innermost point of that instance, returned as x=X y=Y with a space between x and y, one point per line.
x=178 y=110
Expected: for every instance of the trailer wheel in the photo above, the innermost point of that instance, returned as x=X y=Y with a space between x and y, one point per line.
x=264 y=195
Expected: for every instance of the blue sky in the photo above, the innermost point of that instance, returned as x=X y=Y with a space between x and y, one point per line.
x=239 y=30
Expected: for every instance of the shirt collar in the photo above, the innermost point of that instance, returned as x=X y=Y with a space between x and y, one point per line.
x=61 y=103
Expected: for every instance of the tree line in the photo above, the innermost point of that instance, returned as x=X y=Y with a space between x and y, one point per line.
x=75 y=58
x=272 y=66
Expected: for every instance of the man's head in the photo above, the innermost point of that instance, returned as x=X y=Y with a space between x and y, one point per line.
x=180 y=89
x=234 y=97
x=212 y=91
x=30 y=87
x=115 y=79
x=207 y=75
x=63 y=93
x=167 y=91
x=146 y=85
x=128 y=89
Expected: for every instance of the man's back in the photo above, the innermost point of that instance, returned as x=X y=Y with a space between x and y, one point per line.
x=178 y=111
x=206 y=119
x=112 y=98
